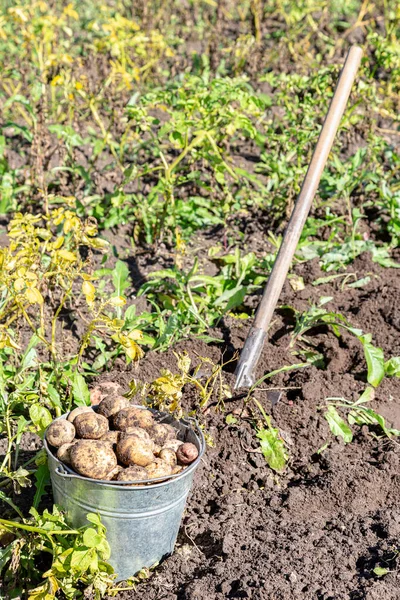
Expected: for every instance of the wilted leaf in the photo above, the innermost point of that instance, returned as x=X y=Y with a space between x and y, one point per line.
x=337 y=425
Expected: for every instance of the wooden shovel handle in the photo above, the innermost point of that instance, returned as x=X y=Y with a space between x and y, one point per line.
x=304 y=200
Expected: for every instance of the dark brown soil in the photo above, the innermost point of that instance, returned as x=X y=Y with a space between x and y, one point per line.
x=319 y=530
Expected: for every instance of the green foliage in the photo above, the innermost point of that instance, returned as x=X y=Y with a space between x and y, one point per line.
x=272 y=445
x=76 y=557
x=357 y=414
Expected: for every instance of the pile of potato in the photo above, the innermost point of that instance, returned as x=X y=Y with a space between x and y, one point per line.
x=119 y=442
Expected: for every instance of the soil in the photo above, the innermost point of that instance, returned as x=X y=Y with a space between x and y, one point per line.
x=319 y=530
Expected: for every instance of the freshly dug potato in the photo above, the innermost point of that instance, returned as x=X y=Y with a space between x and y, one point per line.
x=132 y=450
x=133 y=474
x=101 y=390
x=161 y=432
x=186 y=453
x=142 y=433
x=111 y=405
x=158 y=468
x=133 y=417
x=173 y=444
x=90 y=426
x=78 y=411
x=177 y=469
x=112 y=437
x=60 y=432
x=113 y=475
x=169 y=456
x=93 y=458
x=63 y=452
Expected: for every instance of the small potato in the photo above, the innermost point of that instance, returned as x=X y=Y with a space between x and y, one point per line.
x=78 y=411
x=102 y=390
x=132 y=450
x=63 y=452
x=135 y=473
x=111 y=405
x=173 y=444
x=161 y=432
x=60 y=432
x=133 y=417
x=187 y=453
x=113 y=475
x=93 y=458
x=168 y=455
x=177 y=469
x=112 y=437
x=158 y=468
x=90 y=426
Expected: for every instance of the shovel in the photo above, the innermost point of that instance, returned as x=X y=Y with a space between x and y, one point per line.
x=254 y=344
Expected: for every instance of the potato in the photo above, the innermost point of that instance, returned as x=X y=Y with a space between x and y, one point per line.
x=93 y=458
x=102 y=390
x=133 y=417
x=135 y=473
x=77 y=411
x=168 y=455
x=173 y=444
x=63 y=452
x=187 y=453
x=113 y=475
x=177 y=469
x=60 y=432
x=158 y=468
x=132 y=450
x=161 y=432
x=111 y=405
x=142 y=433
x=90 y=426
x=112 y=437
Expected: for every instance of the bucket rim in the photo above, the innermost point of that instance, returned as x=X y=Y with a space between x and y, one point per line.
x=63 y=470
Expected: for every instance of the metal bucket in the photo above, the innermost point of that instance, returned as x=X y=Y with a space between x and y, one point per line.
x=143 y=521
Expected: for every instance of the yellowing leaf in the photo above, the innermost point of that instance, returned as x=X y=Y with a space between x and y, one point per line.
x=117 y=301
x=34 y=296
x=89 y=290
x=67 y=255
x=19 y=284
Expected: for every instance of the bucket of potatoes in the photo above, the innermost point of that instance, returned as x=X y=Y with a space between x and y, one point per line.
x=119 y=442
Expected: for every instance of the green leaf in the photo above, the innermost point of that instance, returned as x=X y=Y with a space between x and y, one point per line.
x=230 y=420
x=42 y=476
x=367 y=395
x=273 y=448
x=375 y=361
x=7 y=500
x=380 y=571
x=392 y=366
x=40 y=417
x=337 y=425
x=80 y=390
x=91 y=538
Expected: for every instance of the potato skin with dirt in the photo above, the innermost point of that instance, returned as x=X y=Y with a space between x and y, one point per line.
x=60 y=432
x=187 y=453
x=113 y=475
x=132 y=450
x=91 y=426
x=138 y=431
x=102 y=390
x=78 y=411
x=172 y=444
x=132 y=474
x=158 y=468
x=169 y=456
x=112 y=437
x=161 y=432
x=133 y=417
x=63 y=453
x=93 y=458
x=111 y=405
